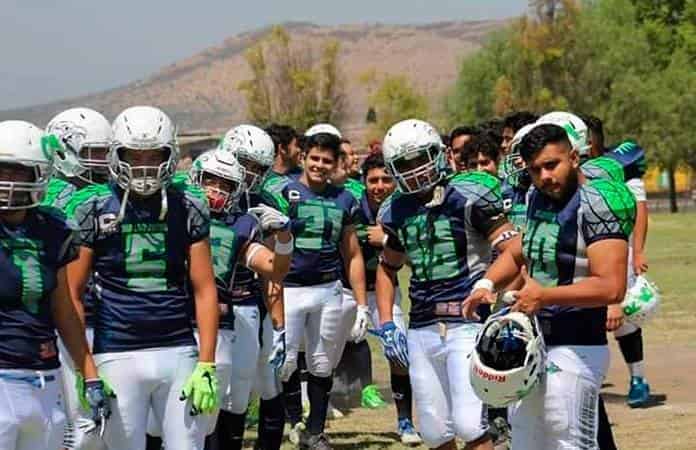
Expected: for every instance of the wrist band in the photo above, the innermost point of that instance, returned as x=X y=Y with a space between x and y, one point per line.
x=284 y=248
x=483 y=283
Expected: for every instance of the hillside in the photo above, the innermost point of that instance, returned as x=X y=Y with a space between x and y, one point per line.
x=200 y=91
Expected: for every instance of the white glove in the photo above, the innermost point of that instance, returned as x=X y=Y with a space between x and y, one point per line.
x=270 y=219
x=362 y=323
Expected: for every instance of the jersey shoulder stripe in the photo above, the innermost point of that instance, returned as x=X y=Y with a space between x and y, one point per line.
x=603 y=167
x=88 y=194
x=475 y=185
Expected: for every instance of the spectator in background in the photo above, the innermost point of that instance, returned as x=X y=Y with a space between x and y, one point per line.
x=458 y=138
x=352 y=161
x=374 y=146
x=287 y=150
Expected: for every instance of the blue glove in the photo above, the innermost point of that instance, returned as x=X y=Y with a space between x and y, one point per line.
x=395 y=344
x=277 y=356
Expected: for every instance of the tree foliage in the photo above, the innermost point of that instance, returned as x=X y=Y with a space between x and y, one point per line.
x=630 y=62
x=296 y=84
x=396 y=99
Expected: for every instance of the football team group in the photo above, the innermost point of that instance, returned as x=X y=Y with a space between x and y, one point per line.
x=144 y=307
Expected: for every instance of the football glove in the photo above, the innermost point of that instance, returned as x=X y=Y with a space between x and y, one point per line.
x=94 y=398
x=395 y=344
x=202 y=389
x=362 y=323
x=277 y=356
x=270 y=219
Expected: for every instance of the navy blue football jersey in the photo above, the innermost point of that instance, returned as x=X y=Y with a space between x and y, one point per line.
x=515 y=203
x=318 y=221
x=31 y=254
x=141 y=264
x=236 y=284
x=447 y=244
x=555 y=246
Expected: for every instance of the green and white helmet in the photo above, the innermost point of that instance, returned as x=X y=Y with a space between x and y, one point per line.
x=143 y=128
x=221 y=164
x=513 y=164
x=577 y=130
x=22 y=143
x=413 y=155
x=86 y=135
x=255 y=151
x=642 y=301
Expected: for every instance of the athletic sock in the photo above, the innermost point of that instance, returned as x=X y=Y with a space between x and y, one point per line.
x=401 y=392
x=631 y=346
x=318 y=389
x=292 y=393
x=271 y=423
x=230 y=430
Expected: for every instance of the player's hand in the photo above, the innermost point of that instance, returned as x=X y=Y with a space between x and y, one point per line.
x=615 y=317
x=375 y=236
x=94 y=396
x=529 y=298
x=477 y=297
x=270 y=219
x=202 y=388
x=640 y=263
x=362 y=323
x=277 y=356
x=395 y=344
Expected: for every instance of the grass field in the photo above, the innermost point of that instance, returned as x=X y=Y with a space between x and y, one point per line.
x=670 y=347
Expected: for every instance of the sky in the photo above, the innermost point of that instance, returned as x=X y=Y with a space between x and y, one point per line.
x=57 y=49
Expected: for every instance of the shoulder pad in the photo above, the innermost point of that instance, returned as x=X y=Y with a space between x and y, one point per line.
x=609 y=202
x=603 y=167
x=476 y=184
x=87 y=194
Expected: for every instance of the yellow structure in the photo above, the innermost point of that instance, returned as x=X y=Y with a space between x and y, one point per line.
x=656 y=180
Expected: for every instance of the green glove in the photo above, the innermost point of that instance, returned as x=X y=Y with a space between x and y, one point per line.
x=202 y=389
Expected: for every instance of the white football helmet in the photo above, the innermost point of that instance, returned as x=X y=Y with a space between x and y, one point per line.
x=414 y=156
x=323 y=128
x=642 y=301
x=22 y=143
x=508 y=359
x=513 y=163
x=86 y=135
x=255 y=151
x=577 y=130
x=145 y=129
x=222 y=164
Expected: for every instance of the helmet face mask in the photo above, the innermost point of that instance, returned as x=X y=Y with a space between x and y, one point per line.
x=417 y=170
x=514 y=168
x=254 y=150
x=221 y=176
x=254 y=172
x=94 y=158
x=144 y=178
x=26 y=164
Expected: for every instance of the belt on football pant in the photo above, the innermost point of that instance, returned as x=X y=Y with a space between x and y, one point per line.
x=38 y=381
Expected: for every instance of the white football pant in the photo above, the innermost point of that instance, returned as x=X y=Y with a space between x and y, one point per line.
x=152 y=380
x=561 y=413
x=314 y=316
x=268 y=384
x=445 y=403
x=32 y=416
x=350 y=306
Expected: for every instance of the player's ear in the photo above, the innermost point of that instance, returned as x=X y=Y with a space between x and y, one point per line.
x=574 y=158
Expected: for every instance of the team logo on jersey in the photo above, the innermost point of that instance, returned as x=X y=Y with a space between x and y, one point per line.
x=107 y=223
x=294 y=196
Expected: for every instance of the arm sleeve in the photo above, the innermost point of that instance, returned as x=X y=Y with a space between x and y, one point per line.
x=486 y=212
x=81 y=211
x=608 y=211
x=198 y=225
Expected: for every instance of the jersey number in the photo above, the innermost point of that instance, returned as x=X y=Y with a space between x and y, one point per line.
x=432 y=251
x=540 y=243
x=26 y=259
x=146 y=261
x=222 y=244
x=317 y=218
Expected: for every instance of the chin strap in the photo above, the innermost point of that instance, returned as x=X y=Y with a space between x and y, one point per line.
x=122 y=210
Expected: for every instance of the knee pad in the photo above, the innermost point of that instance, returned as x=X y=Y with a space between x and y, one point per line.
x=320 y=365
x=289 y=367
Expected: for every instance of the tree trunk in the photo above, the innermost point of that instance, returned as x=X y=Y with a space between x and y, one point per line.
x=672 y=190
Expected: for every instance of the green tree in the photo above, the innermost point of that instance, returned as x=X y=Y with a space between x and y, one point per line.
x=295 y=84
x=396 y=99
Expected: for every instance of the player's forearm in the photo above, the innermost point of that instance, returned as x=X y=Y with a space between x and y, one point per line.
x=281 y=262
x=384 y=292
x=640 y=230
x=356 y=276
x=274 y=303
x=504 y=270
x=207 y=316
x=592 y=292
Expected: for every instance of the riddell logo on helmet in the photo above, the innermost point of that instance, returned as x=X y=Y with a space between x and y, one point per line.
x=489 y=376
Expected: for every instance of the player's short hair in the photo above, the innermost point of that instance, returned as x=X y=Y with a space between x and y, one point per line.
x=281 y=135
x=518 y=119
x=539 y=137
x=325 y=141
x=464 y=130
x=595 y=125
x=373 y=161
x=483 y=144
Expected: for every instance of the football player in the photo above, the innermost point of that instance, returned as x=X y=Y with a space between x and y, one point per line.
x=573 y=259
x=322 y=221
x=446 y=228
x=459 y=137
x=146 y=240
x=236 y=243
x=86 y=137
x=36 y=244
